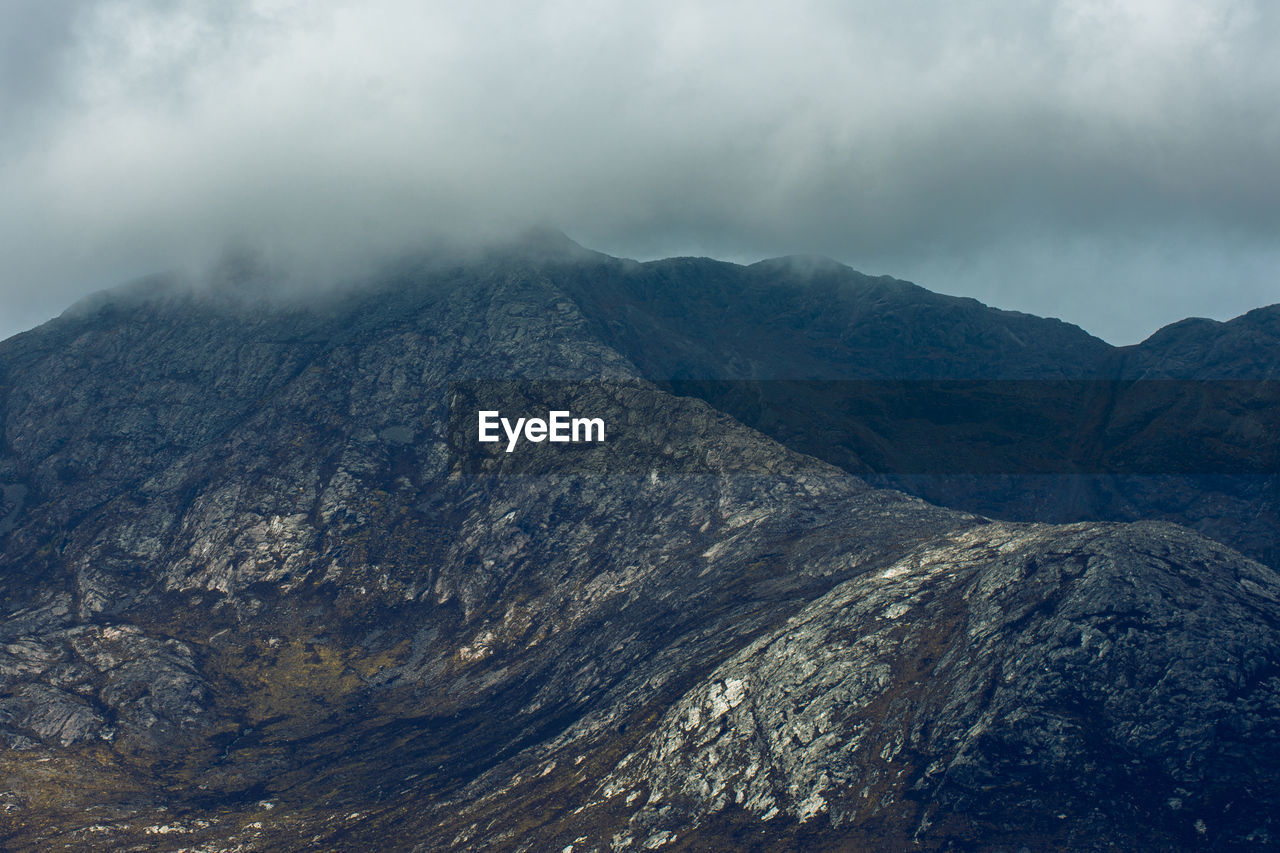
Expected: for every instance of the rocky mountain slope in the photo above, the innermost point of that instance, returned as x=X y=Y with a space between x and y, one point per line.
x=256 y=592
x=870 y=374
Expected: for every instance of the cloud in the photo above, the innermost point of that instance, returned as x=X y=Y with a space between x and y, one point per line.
x=1048 y=156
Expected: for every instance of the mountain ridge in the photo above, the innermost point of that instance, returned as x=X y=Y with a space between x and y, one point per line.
x=253 y=599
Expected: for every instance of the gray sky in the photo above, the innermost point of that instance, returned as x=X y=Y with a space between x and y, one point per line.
x=1115 y=163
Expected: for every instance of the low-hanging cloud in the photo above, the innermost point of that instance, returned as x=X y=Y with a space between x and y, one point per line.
x=1114 y=162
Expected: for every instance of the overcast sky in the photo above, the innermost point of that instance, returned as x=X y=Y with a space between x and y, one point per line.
x=1115 y=163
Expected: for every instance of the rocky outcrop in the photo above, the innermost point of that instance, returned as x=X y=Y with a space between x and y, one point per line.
x=97 y=682
x=1009 y=684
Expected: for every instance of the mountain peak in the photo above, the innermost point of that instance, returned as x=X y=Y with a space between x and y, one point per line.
x=544 y=242
x=801 y=264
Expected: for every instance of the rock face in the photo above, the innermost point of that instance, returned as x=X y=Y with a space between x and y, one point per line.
x=252 y=595
x=981 y=689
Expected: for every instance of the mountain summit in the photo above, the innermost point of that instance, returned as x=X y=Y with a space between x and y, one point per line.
x=259 y=589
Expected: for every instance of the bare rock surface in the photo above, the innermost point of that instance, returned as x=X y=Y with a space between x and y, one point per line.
x=1065 y=684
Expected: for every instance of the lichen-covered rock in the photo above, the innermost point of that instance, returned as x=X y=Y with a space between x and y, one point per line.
x=1121 y=677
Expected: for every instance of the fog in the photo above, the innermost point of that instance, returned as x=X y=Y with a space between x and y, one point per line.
x=1115 y=163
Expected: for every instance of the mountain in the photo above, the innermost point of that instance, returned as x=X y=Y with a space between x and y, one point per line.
x=261 y=589
x=1240 y=349
x=1055 y=425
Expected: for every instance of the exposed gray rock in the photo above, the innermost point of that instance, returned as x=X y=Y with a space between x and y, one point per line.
x=96 y=682
x=1098 y=673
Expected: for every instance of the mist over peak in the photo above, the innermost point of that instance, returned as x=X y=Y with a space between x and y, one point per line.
x=1099 y=162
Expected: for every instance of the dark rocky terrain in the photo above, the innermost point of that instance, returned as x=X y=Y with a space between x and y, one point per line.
x=1108 y=439
x=253 y=597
